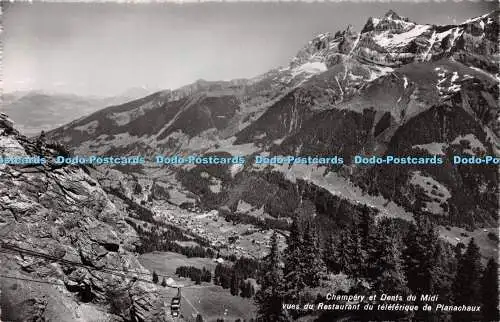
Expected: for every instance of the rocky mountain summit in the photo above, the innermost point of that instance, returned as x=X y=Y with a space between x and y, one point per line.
x=66 y=252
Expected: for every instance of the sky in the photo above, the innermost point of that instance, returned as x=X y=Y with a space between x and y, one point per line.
x=105 y=49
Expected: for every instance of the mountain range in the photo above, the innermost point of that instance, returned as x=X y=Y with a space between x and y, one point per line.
x=35 y=111
x=394 y=88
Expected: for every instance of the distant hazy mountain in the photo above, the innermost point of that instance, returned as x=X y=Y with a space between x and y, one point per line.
x=34 y=111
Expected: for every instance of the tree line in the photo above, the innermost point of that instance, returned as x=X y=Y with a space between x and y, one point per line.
x=195 y=274
x=144 y=214
x=162 y=239
x=263 y=223
x=236 y=277
x=377 y=257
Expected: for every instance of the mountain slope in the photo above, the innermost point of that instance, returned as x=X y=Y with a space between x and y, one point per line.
x=89 y=271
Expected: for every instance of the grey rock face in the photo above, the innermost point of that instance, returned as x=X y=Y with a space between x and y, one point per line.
x=63 y=213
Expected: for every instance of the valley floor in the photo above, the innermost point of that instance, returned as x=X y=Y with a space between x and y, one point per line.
x=208 y=300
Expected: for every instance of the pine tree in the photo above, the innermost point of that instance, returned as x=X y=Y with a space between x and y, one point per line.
x=235 y=284
x=458 y=253
x=155 y=277
x=294 y=282
x=294 y=240
x=467 y=280
x=197 y=278
x=411 y=255
x=385 y=269
x=420 y=256
x=315 y=268
x=366 y=226
x=249 y=289
x=206 y=275
x=199 y=318
x=344 y=254
x=244 y=288
x=387 y=265
x=217 y=274
x=444 y=270
x=357 y=269
x=269 y=298
x=330 y=257
x=164 y=282
x=489 y=292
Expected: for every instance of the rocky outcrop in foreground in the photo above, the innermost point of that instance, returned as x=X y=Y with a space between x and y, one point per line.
x=66 y=254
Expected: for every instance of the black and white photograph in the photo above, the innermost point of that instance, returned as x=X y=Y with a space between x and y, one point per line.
x=249 y=161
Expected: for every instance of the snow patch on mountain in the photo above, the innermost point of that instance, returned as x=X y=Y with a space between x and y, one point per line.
x=310 y=68
x=375 y=21
x=389 y=40
x=476 y=19
x=457 y=32
x=439 y=37
x=447 y=82
x=379 y=71
x=431 y=44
